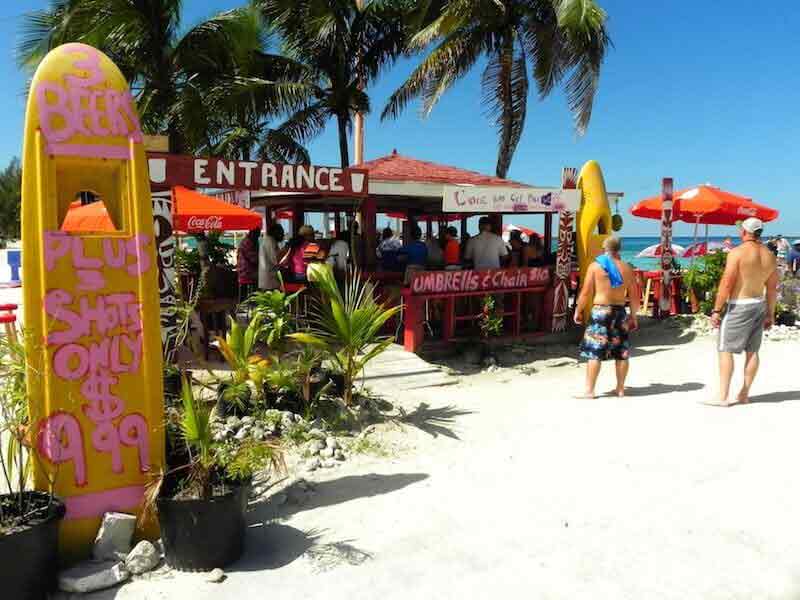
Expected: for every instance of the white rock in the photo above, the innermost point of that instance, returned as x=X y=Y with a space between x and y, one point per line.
x=114 y=535
x=233 y=421
x=215 y=576
x=242 y=433
x=316 y=446
x=327 y=452
x=248 y=420
x=90 y=576
x=331 y=442
x=339 y=455
x=313 y=464
x=143 y=558
x=317 y=434
x=258 y=433
x=329 y=463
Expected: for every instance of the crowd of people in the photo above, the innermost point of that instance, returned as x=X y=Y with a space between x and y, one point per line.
x=787 y=253
x=260 y=259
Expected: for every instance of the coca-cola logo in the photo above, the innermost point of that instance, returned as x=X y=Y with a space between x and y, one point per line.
x=206 y=224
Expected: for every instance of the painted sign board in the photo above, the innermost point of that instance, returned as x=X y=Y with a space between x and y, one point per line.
x=170 y=170
x=489 y=199
x=493 y=280
x=91 y=299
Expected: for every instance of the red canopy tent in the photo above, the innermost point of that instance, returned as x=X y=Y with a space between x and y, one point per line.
x=192 y=212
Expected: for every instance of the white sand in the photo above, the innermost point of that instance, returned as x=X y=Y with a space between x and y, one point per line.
x=543 y=496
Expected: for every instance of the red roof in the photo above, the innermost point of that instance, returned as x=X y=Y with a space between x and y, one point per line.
x=396 y=167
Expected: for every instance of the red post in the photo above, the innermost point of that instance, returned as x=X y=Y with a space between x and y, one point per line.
x=666 y=245
x=369 y=221
x=412 y=321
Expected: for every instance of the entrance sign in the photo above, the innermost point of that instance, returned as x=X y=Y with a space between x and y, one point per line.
x=476 y=199
x=172 y=170
x=494 y=280
x=91 y=299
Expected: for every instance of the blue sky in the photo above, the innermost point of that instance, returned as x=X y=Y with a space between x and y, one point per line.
x=704 y=92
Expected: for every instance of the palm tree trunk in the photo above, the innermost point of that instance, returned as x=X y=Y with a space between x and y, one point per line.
x=344 y=153
x=506 y=151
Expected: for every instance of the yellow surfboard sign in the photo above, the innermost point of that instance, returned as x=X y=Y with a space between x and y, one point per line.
x=593 y=222
x=90 y=298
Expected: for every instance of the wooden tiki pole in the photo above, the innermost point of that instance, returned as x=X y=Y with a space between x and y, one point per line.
x=566 y=220
x=666 y=245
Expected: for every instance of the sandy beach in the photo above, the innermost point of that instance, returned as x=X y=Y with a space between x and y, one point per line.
x=509 y=488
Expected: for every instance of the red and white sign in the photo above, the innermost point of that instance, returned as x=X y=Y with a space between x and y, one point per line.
x=495 y=280
x=170 y=170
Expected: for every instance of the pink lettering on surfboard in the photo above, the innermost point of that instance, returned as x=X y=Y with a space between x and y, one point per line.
x=84 y=105
x=60 y=440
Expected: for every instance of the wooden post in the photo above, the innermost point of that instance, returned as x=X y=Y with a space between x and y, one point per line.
x=569 y=179
x=666 y=246
x=368 y=220
x=548 y=233
x=298 y=218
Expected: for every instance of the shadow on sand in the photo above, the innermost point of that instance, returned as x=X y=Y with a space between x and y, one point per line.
x=272 y=545
x=435 y=421
x=775 y=397
x=656 y=389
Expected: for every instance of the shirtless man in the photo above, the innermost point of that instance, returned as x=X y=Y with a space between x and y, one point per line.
x=607 y=288
x=748 y=292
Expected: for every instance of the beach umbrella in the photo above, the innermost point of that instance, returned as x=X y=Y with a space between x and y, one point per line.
x=706 y=205
x=88 y=218
x=525 y=231
x=194 y=212
x=703 y=248
x=654 y=251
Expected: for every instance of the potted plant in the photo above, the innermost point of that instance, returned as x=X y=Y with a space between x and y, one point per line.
x=788 y=302
x=29 y=519
x=201 y=503
x=702 y=279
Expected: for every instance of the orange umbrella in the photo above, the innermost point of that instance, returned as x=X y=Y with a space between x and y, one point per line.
x=708 y=205
x=193 y=212
x=87 y=218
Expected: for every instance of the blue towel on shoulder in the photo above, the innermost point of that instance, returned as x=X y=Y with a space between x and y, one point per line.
x=611 y=269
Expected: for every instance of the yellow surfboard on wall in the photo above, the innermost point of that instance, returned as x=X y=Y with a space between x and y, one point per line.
x=593 y=221
x=90 y=299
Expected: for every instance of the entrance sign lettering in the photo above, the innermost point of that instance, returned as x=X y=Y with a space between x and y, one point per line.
x=476 y=199
x=495 y=280
x=171 y=170
x=91 y=299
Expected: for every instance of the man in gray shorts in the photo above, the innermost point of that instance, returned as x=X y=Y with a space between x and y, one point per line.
x=748 y=293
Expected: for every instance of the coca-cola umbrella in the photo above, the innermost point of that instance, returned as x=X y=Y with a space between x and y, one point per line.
x=703 y=248
x=193 y=212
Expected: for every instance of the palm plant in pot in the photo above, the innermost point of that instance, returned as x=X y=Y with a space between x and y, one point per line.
x=201 y=499
x=28 y=519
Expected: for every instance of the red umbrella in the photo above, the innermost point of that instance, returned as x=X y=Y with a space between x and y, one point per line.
x=708 y=205
x=703 y=248
x=193 y=212
x=508 y=228
x=656 y=250
x=88 y=218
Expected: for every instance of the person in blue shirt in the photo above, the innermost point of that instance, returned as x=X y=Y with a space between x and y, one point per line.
x=793 y=257
x=415 y=252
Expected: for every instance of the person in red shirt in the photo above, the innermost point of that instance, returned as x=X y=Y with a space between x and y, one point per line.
x=452 y=249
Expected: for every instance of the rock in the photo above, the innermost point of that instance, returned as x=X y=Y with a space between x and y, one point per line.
x=114 y=535
x=313 y=464
x=248 y=420
x=215 y=576
x=338 y=455
x=143 y=558
x=331 y=442
x=258 y=433
x=242 y=434
x=280 y=499
x=317 y=424
x=317 y=434
x=91 y=576
x=233 y=422
x=327 y=452
x=560 y=362
x=220 y=436
x=316 y=446
x=329 y=463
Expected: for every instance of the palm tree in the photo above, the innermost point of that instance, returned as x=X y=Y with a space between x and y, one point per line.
x=563 y=40
x=344 y=47
x=10 y=200
x=212 y=88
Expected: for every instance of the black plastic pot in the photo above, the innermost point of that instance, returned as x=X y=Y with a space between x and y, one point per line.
x=29 y=557
x=201 y=535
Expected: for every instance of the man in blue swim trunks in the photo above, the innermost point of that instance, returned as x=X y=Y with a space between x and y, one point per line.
x=609 y=284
